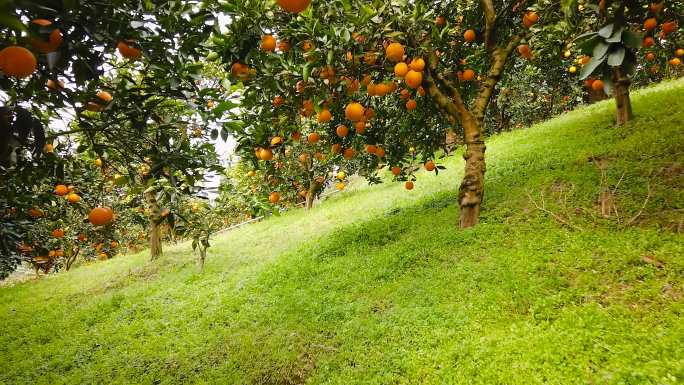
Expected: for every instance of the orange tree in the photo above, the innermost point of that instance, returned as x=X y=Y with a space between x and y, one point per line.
x=400 y=76
x=107 y=67
x=613 y=40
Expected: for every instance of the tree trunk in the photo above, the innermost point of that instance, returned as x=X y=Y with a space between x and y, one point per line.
x=472 y=187
x=621 y=84
x=313 y=186
x=154 y=229
x=202 y=258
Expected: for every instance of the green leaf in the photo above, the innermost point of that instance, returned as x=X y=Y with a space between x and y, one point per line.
x=616 y=57
x=617 y=36
x=606 y=31
x=593 y=64
x=600 y=50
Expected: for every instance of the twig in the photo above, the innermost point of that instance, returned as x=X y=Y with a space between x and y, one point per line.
x=551 y=213
x=643 y=206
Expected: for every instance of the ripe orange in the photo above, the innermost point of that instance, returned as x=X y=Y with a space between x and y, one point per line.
x=278 y=101
x=597 y=85
x=276 y=140
x=307 y=46
x=98 y=162
x=283 y=46
x=430 y=165
x=335 y=149
x=417 y=64
x=409 y=185
x=58 y=233
x=469 y=36
x=381 y=89
x=127 y=50
x=348 y=153
x=405 y=94
x=268 y=43
x=266 y=154
x=239 y=70
x=42 y=22
x=73 y=198
x=371 y=149
x=35 y=212
x=59 y=253
x=524 y=51
x=354 y=111
x=650 y=24
x=294 y=6
x=324 y=116
x=584 y=60
x=394 y=52
x=679 y=52
x=61 y=190
x=313 y=137
x=48 y=148
x=114 y=244
x=55 y=85
x=650 y=56
x=380 y=152
x=342 y=131
x=669 y=27
x=675 y=61
x=468 y=75
x=440 y=21
x=648 y=42
x=360 y=127
x=104 y=96
x=100 y=216
x=411 y=105
x=17 y=62
x=414 y=79
x=396 y=170
x=274 y=197
x=421 y=91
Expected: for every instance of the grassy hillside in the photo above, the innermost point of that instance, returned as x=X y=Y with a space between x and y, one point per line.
x=378 y=286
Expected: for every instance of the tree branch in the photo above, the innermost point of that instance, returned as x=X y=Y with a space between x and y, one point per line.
x=490 y=23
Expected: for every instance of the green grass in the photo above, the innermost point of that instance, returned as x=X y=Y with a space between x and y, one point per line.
x=378 y=286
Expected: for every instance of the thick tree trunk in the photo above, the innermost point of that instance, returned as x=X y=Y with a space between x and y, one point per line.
x=471 y=190
x=311 y=194
x=154 y=229
x=621 y=84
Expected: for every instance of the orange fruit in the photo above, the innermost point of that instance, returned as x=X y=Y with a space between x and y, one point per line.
x=411 y=105
x=104 y=96
x=324 y=116
x=127 y=50
x=440 y=21
x=417 y=64
x=405 y=94
x=278 y=101
x=396 y=170
x=524 y=51
x=17 y=62
x=268 y=43
x=648 y=42
x=276 y=140
x=313 y=137
x=59 y=253
x=93 y=107
x=335 y=149
x=342 y=131
x=380 y=152
x=650 y=56
x=430 y=165
x=371 y=149
x=114 y=244
x=469 y=36
x=584 y=60
x=42 y=22
x=675 y=61
x=49 y=148
x=669 y=27
x=421 y=91
x=414 y=79
x=348 y=153
x=650 y=24
x=409 y=185
x=370 y=58
x=61 y=190
x=360 y=127
x=283 y=46
x=35 y=212
x=58 y=233
x=274 y=197
x=354 y=111
x=597 y=85
x=394 y=52
x=73 y=198
x=294 y=6
x=679 y=52
x=54 y=85
x=307 y=46
x=340 y=186
x=239 y=70
x=98 y=162
x=468 y=75
x=100 y=216
x=266 y=154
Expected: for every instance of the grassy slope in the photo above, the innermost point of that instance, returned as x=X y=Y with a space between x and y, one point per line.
x=377 y=286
